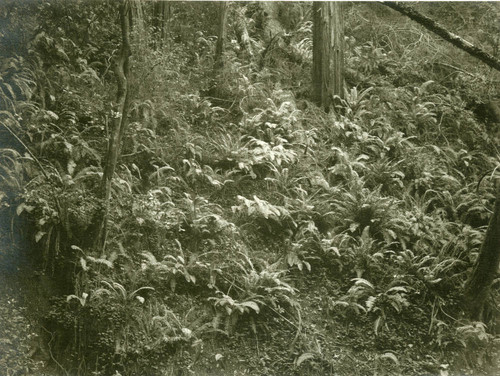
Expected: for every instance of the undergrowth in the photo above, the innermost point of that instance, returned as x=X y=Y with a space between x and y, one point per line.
x=250 y=220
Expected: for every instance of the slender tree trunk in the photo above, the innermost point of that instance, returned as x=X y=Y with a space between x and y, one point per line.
x=321 y=54
x=119 y=120
x=166 y=19
x=486 y=267
x=221 y=36
x=157 y=15
x=243 y=37
x=338 y=48
x=161 y=17
x=137 y=14
x=436 y=28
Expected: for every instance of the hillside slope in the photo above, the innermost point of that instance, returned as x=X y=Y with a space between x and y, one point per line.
x=250 y=232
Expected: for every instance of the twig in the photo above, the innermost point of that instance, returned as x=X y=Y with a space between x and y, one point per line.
x=50 y=351
x=489 y=172
x=455 y=68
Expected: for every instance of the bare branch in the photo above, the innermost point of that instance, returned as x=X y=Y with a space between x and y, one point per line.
x=436 y=28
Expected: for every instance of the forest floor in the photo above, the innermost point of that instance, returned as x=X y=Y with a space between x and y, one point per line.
x=402 y=347
x=352 y=351
x=20 y=349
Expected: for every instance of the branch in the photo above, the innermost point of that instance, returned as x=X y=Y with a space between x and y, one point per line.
x=436 y=28
x=454 y=68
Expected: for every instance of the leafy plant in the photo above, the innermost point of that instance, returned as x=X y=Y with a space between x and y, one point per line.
x=171 y=266
x=265 y=216
x=354 y=104
x=257 y=292
x=380 y=302
x=117 y=292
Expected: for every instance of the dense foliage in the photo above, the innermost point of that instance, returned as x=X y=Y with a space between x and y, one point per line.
x=250 y=232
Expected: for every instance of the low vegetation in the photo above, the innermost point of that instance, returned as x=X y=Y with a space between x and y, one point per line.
x=250 y=232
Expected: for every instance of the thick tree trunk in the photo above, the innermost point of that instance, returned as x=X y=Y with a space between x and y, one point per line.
x=119 y=120
x=321 y=54
x=221 y=36
x=436 y=28
x=486 y=267
x=338 y=48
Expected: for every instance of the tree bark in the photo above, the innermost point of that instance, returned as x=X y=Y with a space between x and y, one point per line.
x=242 y=36
x=436 y=28
x=321 y=54
x=486 y=267
x=221 y=36
x=338 y=48
x=161 y=17
x=119 y=120
x=270 y=25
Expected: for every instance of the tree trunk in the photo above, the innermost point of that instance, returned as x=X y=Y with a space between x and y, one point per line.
x=137 y=14
x=321 y=54
x=486 y=267
x=242 y=36
x=436 y=28
x=338 y=48
x=270 y=25
x=221 y=36
x=161 y=17
x=119 y=121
